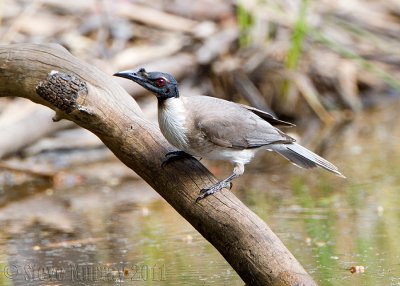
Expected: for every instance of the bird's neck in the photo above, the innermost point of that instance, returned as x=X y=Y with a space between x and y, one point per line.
x=161 y=100
x=171 y=103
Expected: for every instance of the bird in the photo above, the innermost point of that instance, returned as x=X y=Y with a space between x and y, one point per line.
x=208 y=127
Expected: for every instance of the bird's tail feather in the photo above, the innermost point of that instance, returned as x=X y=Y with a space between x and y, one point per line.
x=304 y=158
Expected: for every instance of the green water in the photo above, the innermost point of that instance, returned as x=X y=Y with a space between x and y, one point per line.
x=127 y=235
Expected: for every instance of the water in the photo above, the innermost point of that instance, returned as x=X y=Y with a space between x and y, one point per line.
x=127 y=235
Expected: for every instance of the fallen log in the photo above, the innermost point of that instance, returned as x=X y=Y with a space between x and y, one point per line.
x=49 y=75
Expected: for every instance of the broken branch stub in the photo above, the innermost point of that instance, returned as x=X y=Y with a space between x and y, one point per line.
x=61 y=90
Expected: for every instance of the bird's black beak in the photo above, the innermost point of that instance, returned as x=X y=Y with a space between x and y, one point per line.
x=139 y=77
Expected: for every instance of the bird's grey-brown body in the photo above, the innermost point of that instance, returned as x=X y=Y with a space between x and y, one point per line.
x=194 y=124
x=214 y=128
x=199 y=129
x=236 y=128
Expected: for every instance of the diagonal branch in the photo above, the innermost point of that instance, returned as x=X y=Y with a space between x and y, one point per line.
x=92 y=99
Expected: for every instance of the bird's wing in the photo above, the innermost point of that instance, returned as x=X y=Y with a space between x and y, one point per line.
x=231 y=125
x=268 y=117
x=240 y=131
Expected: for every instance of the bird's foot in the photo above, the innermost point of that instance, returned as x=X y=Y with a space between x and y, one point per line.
x=214 y=189
x=173 y=156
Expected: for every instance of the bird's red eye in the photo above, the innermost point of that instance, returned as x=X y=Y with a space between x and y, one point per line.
x=160 y=82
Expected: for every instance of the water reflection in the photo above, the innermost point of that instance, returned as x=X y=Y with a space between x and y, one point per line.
x=112 y=235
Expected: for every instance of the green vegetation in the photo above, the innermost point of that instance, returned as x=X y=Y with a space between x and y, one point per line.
x=245 y=22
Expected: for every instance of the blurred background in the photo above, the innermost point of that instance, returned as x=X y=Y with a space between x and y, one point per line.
x=72 y=214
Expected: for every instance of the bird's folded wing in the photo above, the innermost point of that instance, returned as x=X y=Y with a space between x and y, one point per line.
x=241 y=133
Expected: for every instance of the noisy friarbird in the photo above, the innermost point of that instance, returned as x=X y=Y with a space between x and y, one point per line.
x=213 y=128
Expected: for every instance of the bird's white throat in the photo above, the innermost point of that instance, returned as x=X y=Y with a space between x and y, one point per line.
x=172 y=118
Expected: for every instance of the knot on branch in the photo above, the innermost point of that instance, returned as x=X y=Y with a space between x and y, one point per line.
x=62 y=90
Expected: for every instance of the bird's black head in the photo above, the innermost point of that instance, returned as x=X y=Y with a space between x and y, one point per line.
x=163 y=85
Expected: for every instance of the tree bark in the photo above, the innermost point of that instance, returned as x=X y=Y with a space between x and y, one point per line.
x=85 y=95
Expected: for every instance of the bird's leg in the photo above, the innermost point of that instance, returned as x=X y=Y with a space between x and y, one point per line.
x=238 y=170
x=173 y=156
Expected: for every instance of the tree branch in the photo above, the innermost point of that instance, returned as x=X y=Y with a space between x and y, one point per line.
x=92 y=99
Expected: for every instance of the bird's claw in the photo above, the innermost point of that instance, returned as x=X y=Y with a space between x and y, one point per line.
x=213 y=189
x=173 y=156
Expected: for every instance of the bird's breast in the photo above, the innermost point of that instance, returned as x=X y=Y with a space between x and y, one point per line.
x=172 y=119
